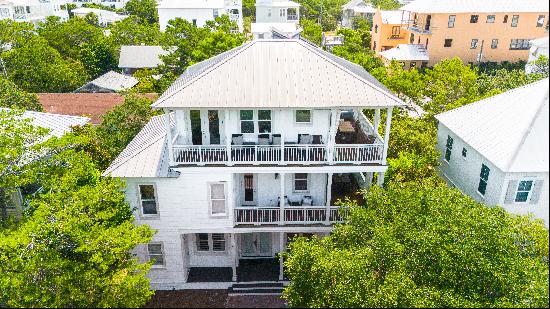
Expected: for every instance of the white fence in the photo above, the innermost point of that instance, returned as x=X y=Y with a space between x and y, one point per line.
x=292 y=215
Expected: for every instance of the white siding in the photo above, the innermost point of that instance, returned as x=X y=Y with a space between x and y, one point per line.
x=201 y=15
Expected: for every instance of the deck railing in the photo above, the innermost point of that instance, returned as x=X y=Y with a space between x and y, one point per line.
x=292 y=215
x=278 y=154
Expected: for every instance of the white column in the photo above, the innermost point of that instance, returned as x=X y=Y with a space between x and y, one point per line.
x=387 y=134
x=368 y=179
x=282 y=200
x=227 y=137
x=235 y=256
x=332 y=135
x=329 y=198
x=282 y=247
x=376 y=119
x=282 y=161
x=169 y=137
x=380 y=180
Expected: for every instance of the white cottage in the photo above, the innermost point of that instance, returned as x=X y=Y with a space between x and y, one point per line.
x=32 y=11
x=256 y=145
x=276 y=18
x=356 y=9
x=199 y=12
x=496 y=150
x=539 y=47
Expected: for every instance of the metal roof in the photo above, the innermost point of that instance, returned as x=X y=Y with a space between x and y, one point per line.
x=358 y=6
x=146 y=155
x=391 y=17
x=57 y=124
x=111 y=81
x=481 y=6
x=268 y=27
x=276 y=74
x=407 y=52
x=540 y=42
x=140 y=56
x=510 y=129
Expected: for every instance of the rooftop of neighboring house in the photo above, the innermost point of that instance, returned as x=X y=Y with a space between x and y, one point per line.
x=278 y=3
x=391 y=17
x=94 y=105
x=191 y=4
x=540 y=42
x=358 y=6
x=473 y=6
x=267 y=27
x=140 y=56
x=407 y=52
x=510 y=129
x=306 y=76
x=109 y=82
x=57 y=124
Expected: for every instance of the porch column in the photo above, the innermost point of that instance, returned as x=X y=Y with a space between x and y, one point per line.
x=282 y=247
x=235 y=256
x=169 y=137
x=368 y=179
x=376 y=119
x=282 y=160
x=380 y=179
x=329 y=198
x=332 y=135
x=387 y=134
x=282 y=200
x=227 y=137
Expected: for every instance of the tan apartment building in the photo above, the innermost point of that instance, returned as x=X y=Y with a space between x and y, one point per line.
x=475 y=30
x=387 y=30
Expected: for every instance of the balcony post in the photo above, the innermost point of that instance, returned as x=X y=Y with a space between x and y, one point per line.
x=387 y=134
x=376 y=120
x=282 y=159
x=380 y=179
x=329 y=198
x=282 y=200
x=235 y=256
x=282 y=249
x=332 y=135
x=169 y=138
x=227 y=137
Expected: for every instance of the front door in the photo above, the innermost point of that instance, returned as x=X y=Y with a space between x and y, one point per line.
x=196 y=127
x=249 y=189
x=256 y=245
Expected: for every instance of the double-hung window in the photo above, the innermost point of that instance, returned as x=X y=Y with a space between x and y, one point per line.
x=249 y=118
x=300 y=182
x=524 y=190
x=156 y=253
x=148 y=200
x=264 y=121
x=448 y=148
x=520 y=44
x=494 y=43
x=303 y=116
x=483 y=179
x=515 y=20
x=473 y=44
x=214 y=242
x=218 y=199
x=247 y=121
x=451 y=23
x=215 y=12
x=282 y=12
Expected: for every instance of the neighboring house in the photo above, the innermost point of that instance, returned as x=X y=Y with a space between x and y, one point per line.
x=104 y=17
x=276 y=16
x=356 y=9
x=496 y=150
x=32 y=11
x=135 y=57
x=539 y=47
x=115 y=4
x=387 y=30
x=57 y=125
x=330 y=39
x=475 y=30
x=237 y=166
x=109 y=82
x=198 y=12
x=409 y=55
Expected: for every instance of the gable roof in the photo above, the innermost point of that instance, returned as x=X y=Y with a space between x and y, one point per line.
x=57 y=124
x=406 y=52
x=481 y=6
x=140 y=56
x=276 y=74
x=109 y=82
x=510 y=129
x=146 y=155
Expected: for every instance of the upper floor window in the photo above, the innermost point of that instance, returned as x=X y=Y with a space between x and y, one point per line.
x=494 y=43
x=247 y=121
x=464 y=152
x=448 y=148
x=148 y=200
x=214 y=242
x=194 y=22
x=268 y=12
x=540 y=21
x=515 y=19
x=264 y=121
x=448 y=43
x=282 y=12
x=474 y=19
x=505 y=19
x=483 y=179
x=303 y=116
x=155 y=253
x=490 y=19
x=451 y=23
x=249 y=117
x=473 y=44
x=395 y=31
x=523 y=191
x=217 y=198
x=300 y=182
x=520 y=44
x=375 y=28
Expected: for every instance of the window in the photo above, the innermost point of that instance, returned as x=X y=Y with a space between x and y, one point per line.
x=540 y=21
x=428 y=23
x=395 y=31
x=412 y=65
x=520 y=44
x=303 y=116
x=215 y=13
x=448 y=43
x=424 y=64
x=148 y=200
x=247 y=121
x=217 y=199
x=260 y=36
x=28 y=9
x=375 y=28
x=264 y=121
x=490 y=19
x=505 y=19
x=156 y=254
x=282 y=12
x=374 y=45
x=473 y=19
x=194 y=22
x=210 y=242
x=524 y=189
x=411 y=40
x=464 y=152
x=483 y=179
x=268 y=12
x=300 y=182
x=448 y=148
x=515 y=19
x=494 y=43
x=473 y=44
x=451 y=23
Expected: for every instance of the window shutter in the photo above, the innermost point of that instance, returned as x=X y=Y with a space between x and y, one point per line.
x=511 y=192
x=536 y=191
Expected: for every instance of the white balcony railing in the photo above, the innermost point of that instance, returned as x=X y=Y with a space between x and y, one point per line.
x=292 y=17
x=278 y=154
x=292 y=215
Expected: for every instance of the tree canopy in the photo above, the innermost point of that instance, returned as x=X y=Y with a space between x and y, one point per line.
x=12 y=96
x=146 y=10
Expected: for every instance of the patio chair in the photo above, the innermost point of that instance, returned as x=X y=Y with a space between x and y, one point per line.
x=276 y=139
x=237 y=139
x=307 y=200
x=305 y=139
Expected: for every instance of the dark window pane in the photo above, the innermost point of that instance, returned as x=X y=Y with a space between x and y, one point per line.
x=264 y=126
x=147 y=192
x=218 y=242
x=264 y=115
x=525 y=185
x=482 y=187
x=522 y=196
x=247 y=115
x=149 y=207
x=202 y=242
x=247 y=126
x=303 y=116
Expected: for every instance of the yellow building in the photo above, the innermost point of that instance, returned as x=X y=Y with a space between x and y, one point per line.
x=387 y=31
x=474 y=30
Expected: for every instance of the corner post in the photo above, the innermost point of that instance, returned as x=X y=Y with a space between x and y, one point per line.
x=387 y=134
x=169 y=137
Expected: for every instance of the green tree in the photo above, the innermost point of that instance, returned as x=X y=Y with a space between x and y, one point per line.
x=13 y=34
x=146 y=10
x=131 y=31
x=387 y=5
x=12 y=96
x=540 y=66
x=422 y=245
x=312 y=31
x=407 y=84
x=356 y=48
x=249 y=9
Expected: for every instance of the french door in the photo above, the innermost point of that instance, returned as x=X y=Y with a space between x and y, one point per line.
x=256 y=245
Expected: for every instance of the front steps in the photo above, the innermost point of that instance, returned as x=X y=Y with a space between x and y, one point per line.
x=257 y=288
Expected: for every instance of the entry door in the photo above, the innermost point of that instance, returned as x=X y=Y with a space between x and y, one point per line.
x=196 y=127
x=214 y=127
x=256 y=244
x=249 y=189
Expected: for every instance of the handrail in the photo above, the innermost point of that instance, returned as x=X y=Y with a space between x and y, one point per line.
x=258 y=215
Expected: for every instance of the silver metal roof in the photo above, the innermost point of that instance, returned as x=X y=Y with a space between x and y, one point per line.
x=111 y=81
x=138 y=56
x=276 y=74
x=407 y=52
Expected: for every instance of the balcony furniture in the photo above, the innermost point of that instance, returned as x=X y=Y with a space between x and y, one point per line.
x=263 y=139
x=279 y=201
x=307 y=200
x=317 y=140
x=276 y=139
x=304 y=139
x=237 y=139
x=346 y=115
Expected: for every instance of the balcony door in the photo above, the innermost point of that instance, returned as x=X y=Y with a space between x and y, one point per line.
x=249 y=189
x=214 y=127
x=256 y=245
x=205 y=127
x=196 y=127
